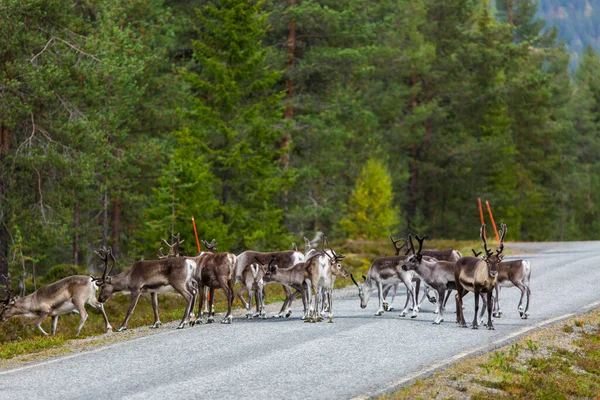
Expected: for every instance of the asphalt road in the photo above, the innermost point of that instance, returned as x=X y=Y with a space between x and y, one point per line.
x=359 y=355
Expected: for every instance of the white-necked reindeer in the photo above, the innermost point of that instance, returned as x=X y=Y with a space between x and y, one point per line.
x=62 y=297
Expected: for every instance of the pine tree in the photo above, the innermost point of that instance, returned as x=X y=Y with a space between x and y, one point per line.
x=236 y=114
x=371 y=212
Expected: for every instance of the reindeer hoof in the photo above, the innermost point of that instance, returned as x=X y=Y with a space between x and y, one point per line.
x=491 y=328
x=462 y=325
x=226 y=320
x=436 y=312
x=403 y=314
x=210 y=320
x=438 y=321
x=414 y=315
x=385 y=306
x=155 y=325
x=181 y=326
x=330 y=320
x=121 y=329
x=109 y=329
x=474 y=326
x=287 y=314
x=249 y=316
x=524 y=316
x=496 y=315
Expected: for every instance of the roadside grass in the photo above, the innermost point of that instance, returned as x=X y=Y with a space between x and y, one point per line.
x=558 y=362
x=18 y=336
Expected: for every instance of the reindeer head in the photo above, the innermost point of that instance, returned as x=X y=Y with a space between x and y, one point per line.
x=335 y=260
x=11 y=306
x=415 y=259
x=271 y=269
x=364 y=290
x=211 y=247
x=105 y=283
x=493 y=259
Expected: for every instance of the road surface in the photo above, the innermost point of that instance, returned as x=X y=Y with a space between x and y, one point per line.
x=359 y=355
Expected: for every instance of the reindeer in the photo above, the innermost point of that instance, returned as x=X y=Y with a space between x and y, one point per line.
x=293 y=277
x=253 y=283
x=321 y=270
x=387 y=272
x=439 y=275
x=442 y=255
x=284 y=259
x=478 y=275
x=153 y=276
x=62 y=297
x=514 y=273
x=215 y=271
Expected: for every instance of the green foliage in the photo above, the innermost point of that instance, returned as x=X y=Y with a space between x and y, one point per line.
x=371 y=212
x=121 y=120
x=61 y=271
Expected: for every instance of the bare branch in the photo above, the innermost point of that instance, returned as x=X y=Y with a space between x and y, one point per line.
x=72 y=46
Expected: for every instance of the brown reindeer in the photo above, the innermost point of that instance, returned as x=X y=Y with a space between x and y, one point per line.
x=152 y=276
x=478 y=275
x=62 y=297
x=215 y=271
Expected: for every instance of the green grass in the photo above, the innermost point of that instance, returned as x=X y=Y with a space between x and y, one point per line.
x=559 y=362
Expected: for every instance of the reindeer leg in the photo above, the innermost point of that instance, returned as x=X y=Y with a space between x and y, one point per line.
x=247 y=306
x=157 y=322
x=483 y=308
x=135 y=296
x=380 y=293
x=261 y=298
x=38 y=323
x=416 y=305
x=386 y=291
x=476 y=294
x=497 y=312
x=211 y=312
x=83 y=315
x=251 y=293
x=100 y=307
x=54 y=323
x=410 y=294
x=330 y=298
x=526 y=311
x=460 y=316
x=183 y=290
x=490 y=306
x=441 y=306
x=523 y=290
x=227 y=285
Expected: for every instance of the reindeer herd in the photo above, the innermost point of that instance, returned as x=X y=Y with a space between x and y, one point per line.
x=310 y=274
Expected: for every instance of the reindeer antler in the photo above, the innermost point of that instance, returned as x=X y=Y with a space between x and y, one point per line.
x=212 y=246
x=485 y=247
x=404 y=244
x=411 y=244
x=420 y=240
x=104 y=253
x=503 y=230
x=307 y=245
x=476 y=253
x=337 y=257
x=294 y=247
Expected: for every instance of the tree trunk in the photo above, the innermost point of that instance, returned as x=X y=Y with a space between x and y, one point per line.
x=4 y=235
x=76 y=234
x=510 y=12
x=105 y=218
x=289 y=111
x=116 y=226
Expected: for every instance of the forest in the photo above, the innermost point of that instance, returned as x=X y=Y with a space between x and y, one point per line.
x=271 y=120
